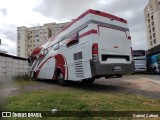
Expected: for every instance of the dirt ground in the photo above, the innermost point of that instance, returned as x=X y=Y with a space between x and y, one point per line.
x=146 y=85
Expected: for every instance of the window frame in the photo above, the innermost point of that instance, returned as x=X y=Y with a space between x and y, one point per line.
x=71 y=38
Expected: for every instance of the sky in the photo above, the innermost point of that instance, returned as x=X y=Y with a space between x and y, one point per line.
x=29 y=13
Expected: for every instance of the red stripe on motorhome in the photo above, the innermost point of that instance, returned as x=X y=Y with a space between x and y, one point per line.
x=88 y=33
x=36 y=51
x=92 y=12
x=37 y=72
x=103 y=14
x=60 y=63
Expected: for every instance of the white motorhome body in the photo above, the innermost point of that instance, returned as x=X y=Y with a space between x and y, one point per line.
x=94 y=45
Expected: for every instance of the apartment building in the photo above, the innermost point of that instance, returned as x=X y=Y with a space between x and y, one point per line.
x=29 y=38
x=152 y=22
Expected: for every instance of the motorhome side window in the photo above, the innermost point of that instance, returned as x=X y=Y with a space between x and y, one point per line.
x=72 y=40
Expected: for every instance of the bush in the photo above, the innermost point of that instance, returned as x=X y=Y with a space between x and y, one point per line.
x=22 y=78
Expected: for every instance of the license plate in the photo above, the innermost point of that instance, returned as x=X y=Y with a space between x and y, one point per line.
x=117 y=68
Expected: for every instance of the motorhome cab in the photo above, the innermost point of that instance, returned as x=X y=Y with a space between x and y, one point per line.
x=94 y=45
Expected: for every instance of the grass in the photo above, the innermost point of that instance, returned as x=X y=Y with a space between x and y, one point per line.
x=80 y=100
x=71 y=99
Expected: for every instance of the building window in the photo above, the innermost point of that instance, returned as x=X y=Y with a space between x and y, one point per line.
x=37 y=40
x=154 y=41
x=154 y=35
x=19 y=37
x=153 y=29
x=148 y=20
x=148 y=14
x=151 y=43
x=149 y=31
x=152 y=17
x=152 y=23
x=149 y=26
x=37 y=35
x=150 y=37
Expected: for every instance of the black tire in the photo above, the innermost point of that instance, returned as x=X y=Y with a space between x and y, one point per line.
x=107 y=77
x=119 y=76
x=151 y=71
x=61 y=80
x=88 y=81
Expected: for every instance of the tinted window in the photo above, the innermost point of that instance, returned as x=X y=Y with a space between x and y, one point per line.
x=138 y=53
x=72 y=40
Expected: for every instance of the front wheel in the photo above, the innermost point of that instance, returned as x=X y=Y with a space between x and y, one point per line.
x=88 y=81
x=61 y=80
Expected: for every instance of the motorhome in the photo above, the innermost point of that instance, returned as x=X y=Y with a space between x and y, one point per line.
x=94 y=45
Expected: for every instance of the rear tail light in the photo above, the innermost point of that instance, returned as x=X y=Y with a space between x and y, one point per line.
x=95 y=52
x=129 y=37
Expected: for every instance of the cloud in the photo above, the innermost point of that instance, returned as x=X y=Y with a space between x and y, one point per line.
x=8 y=36
x=13 y=15
x=37 y=12
x=66 y=10
x=127 y=9
x=3 y=11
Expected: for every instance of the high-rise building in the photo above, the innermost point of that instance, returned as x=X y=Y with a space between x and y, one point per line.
x=152 y=22
x=29 y=38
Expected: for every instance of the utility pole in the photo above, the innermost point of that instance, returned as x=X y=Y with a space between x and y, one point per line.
x=1 y=51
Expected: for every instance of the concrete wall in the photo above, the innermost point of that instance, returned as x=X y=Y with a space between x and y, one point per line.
x=11 y=66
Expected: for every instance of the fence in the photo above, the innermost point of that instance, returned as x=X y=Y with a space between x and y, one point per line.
x=11 y=66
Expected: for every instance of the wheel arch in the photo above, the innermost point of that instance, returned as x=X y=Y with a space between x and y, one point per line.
x=60 y=65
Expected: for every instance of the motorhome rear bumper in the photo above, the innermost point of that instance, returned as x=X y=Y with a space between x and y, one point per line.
x=102 y=70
